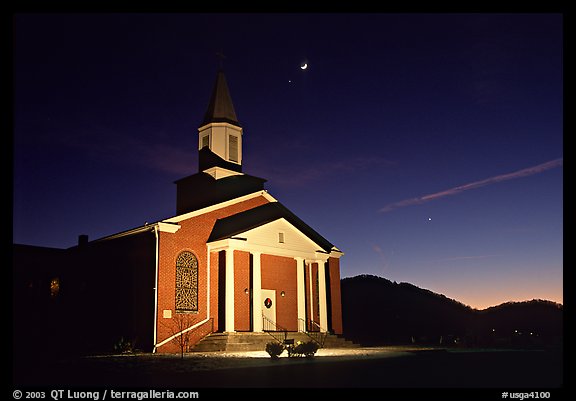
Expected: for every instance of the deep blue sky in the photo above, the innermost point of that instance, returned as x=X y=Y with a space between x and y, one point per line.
x=467 y=108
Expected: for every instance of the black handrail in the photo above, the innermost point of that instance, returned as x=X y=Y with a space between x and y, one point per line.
x=269 y=326
x=307 y=327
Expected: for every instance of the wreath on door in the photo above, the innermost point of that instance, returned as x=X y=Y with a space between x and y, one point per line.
x=268 y=303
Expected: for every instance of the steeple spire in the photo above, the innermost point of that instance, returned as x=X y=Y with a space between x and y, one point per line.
x=220 y=134
x=221 y=109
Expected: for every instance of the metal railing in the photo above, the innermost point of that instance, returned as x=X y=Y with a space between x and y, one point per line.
x=308 y=327
x=313 y=330
x=278 y=332
x=199 y=332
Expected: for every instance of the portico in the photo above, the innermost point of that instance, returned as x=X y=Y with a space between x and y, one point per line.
x=292 y=268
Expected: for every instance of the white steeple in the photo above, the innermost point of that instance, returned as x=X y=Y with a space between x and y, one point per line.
x=221 y=134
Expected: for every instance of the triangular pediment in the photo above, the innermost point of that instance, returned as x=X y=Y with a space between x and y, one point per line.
x=250 y=219
x=279 y=234
x=270 y=228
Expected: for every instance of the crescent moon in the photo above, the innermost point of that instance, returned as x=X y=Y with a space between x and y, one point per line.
x=304 y=66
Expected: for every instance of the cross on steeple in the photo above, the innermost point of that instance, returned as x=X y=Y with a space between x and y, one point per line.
x=221 y=58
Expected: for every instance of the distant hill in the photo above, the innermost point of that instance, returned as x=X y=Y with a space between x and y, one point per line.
x=378 y=311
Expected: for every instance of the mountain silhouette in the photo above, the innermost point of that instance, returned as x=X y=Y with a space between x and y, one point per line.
x=377 y=311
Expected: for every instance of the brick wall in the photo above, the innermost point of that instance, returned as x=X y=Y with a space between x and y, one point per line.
x=335 y=295
x=312 y=303
x=241 y=283
x=279 y=273
x=192 y=236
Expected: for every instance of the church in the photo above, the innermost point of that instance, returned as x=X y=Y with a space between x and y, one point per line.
x=231 y=259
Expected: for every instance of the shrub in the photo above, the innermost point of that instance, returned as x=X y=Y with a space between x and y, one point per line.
x=124 y=346
x=307 y=349
x=274 y=349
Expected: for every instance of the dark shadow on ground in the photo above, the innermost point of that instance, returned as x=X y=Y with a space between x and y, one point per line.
x=513 y=369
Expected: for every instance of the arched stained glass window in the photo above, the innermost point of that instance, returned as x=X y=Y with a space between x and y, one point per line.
x=186 y=282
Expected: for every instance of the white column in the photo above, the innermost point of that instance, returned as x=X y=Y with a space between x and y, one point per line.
x=256 y=292
x=229 y=304
x=322 y=295
x=301 y=294
x=311 y=299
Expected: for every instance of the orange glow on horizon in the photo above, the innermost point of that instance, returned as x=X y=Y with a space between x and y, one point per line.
x=498 y=296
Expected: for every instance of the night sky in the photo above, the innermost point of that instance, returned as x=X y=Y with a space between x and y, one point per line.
x=427 y=147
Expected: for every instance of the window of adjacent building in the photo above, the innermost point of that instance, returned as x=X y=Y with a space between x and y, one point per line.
x=233 y=148
x=54 y=287
x=186 y=282
x=281 y=237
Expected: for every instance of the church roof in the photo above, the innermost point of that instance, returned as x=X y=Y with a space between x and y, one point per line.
x=238 y=223
x=207 y=159
x=202 y=190
x=221 y=109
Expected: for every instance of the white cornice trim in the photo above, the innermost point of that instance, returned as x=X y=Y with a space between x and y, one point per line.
x=236 y=244
x=165 y=227
x=194 y=213
x=336 y=253
x=137 y=230
x=171 y=228
x=221 y=124
x=220 y=172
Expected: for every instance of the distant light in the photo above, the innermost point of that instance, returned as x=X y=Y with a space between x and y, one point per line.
x=54 y=287
x=429 y=218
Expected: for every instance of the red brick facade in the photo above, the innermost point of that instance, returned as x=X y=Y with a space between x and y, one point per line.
x=335 y=295
x=192 y=236
x=242 y=291
x=277 y=273
x=312 y=301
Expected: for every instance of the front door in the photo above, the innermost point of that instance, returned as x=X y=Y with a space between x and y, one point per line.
x=269 y=310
